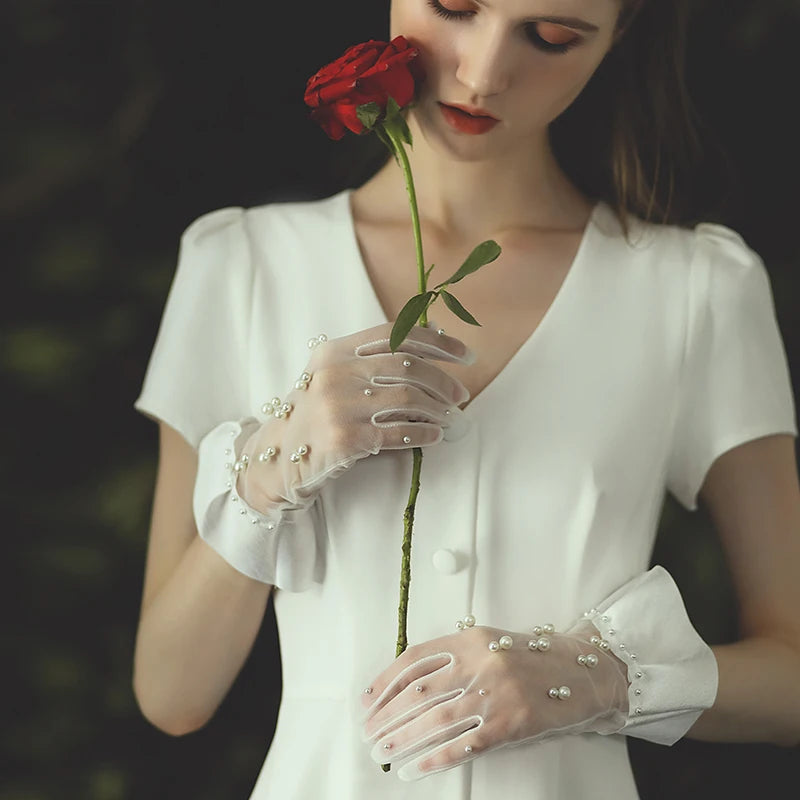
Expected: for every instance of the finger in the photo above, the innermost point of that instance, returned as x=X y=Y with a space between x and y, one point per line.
x=423 y=342
x=405 y=669
x=400 y=434
x=405 y=368
x=422 y=734
x=412 y=697
x=468 y=745
x=401 y=711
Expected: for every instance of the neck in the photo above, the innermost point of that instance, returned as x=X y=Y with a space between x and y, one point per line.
x=521 y=188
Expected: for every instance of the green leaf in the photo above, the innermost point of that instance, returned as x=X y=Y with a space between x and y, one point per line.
x=408 y=318
x=404 y=130
x=395 y=122
x=384 y=137
x=453 y=304
x=392 y=109
x=368 y=114
x=483 y=254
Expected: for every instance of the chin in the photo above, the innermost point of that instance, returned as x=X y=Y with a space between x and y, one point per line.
x=456 y=147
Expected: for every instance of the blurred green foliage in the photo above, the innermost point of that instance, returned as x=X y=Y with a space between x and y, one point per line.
x=123 y=121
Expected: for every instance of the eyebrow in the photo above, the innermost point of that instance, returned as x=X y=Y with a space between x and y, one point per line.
x=567 y=22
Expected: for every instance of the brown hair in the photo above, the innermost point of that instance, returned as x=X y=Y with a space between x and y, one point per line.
x=630 y=137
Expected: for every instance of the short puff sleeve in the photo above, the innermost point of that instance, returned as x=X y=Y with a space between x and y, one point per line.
x=197 y=374
x=735 y=384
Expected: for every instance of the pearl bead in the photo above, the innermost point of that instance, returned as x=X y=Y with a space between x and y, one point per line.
x=506 y=642
x=469 y=620
x=595 y=640
x=564 y=692
x=482 y=692
x=543 y=644
x=440 y=331
x=302 y=450
x=312 y=343
x=418 y=688
x=638 y=674
x=637 y=692
x=621 y=645
x=633 y=656
x=460 y=625
x=406 y=363
x=581 y=660
x=553 y=693
x=548 y=628
x=638 y=711
x=531 y=644
x=305 y=377
x=592 y=660
x=468 y=748
x=387 y=746
x=275 y=402
x=254 y=521
x=322 y=338
x=494 y=646
x=611 y=631
x=368 y=392
x=604 y=645
x=294 y=458
x=538 y=630
x=243 y=511
x=407 y=439
x=368 y=690
x=270 y=526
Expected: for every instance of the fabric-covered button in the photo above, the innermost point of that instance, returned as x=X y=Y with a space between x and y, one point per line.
x=446 y=562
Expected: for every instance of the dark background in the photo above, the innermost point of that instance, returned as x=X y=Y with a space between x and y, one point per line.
x=123 y=121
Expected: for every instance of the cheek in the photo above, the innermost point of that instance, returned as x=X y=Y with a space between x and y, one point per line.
x=557 y=86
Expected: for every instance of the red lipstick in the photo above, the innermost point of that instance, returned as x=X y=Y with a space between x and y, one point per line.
x=468 y=120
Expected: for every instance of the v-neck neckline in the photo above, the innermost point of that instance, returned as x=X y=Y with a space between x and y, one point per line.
x=561 y=297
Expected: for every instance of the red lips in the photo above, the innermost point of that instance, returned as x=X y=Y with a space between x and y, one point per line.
x=464 y=119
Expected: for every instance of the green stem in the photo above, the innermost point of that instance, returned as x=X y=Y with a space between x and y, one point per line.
x=408 y=514
x=402 y=157
x=405 y=569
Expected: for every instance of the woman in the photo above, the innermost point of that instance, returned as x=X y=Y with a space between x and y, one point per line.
x=617 y=359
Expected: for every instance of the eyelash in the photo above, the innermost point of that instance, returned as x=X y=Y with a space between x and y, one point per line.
x=530 y=29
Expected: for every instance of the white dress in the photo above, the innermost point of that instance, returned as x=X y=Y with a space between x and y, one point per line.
x=654 y=358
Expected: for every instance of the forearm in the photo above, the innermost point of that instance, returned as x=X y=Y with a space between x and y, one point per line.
x=758 y=699
x=193 y=638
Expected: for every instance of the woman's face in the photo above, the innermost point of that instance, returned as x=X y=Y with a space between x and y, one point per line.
x=520 y=61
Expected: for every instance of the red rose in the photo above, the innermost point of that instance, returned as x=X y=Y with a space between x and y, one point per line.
x=368 y=72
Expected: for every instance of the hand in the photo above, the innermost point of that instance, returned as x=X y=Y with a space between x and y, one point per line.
x=445 y=702
x=354 y=399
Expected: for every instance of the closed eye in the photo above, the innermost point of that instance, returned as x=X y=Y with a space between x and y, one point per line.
x=447 y=13
x=551 y=38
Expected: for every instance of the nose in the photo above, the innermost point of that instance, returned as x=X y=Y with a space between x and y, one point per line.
x=485 y=62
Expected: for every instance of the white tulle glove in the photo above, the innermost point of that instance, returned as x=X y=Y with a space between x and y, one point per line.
x=463 y=695
x=257 y=480
x=354 y=399
x=633 y=665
